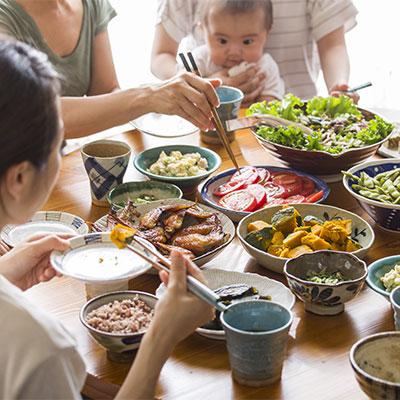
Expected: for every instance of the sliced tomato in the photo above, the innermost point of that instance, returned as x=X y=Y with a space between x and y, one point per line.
x=247 y=174
x=259 y=192
x=289 y=180
x=312 y=198
x=228 y=187
x=274 y=191
x=264 y=175
x=308 y=186
x=296 y=199
x=240 y=200
x=275 y=202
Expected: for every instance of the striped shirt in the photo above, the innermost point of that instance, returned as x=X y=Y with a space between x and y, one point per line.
x=292 y=42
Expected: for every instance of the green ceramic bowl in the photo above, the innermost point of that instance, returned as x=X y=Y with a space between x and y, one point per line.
x=119 y=195
x=377 y=270
x=147 y=157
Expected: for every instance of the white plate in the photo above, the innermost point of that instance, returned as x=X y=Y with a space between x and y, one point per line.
x=44 y=221
x=93 y=258
x=143 y=208
x=266 y=287
x=164 y=125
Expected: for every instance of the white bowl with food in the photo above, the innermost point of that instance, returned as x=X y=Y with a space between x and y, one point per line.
x=360 y=234
x=203 y=232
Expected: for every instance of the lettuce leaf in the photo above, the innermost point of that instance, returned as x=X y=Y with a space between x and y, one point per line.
x=331 y=106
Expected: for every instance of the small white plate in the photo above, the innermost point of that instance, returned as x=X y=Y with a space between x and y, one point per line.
x=162 y=125
x=44 y=221
x=266 y=287
x=93 y=258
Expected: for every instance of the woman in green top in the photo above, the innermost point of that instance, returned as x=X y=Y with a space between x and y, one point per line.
x=73 y=33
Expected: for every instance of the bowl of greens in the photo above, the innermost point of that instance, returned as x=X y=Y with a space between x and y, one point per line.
x=343 y=134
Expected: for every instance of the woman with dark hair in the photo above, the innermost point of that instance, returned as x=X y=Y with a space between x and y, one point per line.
x=39 y=356
x=73 y=33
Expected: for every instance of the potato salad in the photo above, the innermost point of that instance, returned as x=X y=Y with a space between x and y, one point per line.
x=177 y=164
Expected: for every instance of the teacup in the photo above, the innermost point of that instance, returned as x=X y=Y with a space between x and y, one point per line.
x=105 y=162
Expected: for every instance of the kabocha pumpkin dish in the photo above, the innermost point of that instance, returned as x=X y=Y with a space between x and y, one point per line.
x=288 y=234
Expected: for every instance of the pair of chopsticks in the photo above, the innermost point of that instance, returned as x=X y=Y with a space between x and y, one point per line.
x=215 y=119
x=193 y=285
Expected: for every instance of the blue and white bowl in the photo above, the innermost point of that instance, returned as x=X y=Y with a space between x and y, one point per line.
x=212 y=183
x=387 y=216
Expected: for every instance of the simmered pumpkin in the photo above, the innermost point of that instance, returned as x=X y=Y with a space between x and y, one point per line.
x=256 y=225
x=260 y=238
x=285 y=220
x=294 y=239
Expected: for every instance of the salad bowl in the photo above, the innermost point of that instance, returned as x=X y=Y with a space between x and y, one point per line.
x=326 y=163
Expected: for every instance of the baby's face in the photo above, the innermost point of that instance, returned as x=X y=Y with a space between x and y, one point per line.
x=233 y=38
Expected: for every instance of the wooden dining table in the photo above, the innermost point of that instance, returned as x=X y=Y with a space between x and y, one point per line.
x=317 y=364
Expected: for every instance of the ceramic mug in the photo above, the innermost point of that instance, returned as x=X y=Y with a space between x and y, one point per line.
x=395 y=300
x=256 y=336
x=105 y=162
x=230 y=99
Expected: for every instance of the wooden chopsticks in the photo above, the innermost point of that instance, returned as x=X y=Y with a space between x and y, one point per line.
x=215 y=119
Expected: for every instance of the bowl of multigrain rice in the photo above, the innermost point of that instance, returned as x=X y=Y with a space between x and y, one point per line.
x=117 y=321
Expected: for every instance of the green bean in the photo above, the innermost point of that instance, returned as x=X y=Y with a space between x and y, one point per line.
x=351 y=176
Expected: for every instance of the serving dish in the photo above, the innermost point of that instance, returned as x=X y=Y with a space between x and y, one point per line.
x=377 y=270
x=44 y=221
x=325 y=298
x=120 y=347
x=376 y=365
x=327 y=165
x=163 y=125
x=94 y=258
x=143 y=208
x=213 y=182
x=147 y=157
x=361 y=231
x=387 y=216
x=120 y=195
x=217 y=278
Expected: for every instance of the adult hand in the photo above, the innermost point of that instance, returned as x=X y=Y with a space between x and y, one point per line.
x=188 y=96
x=29 y=262
x=250 y=82
x=4 y=247
x=340 y=88
x=180 y=312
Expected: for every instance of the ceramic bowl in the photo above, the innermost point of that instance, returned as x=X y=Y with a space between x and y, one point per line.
x=376 y=365
x=377 y=270
x=147 y=157
x=311 y=161
x=119 y=346
x=362 y=231
x=223 y=177
x=387 y=216
x=395 y=300
x=323 y=298
x=133 y=190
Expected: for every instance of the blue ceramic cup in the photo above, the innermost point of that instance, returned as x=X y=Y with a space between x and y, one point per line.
x=395 y=300
x=230 y=99
x=256 y=336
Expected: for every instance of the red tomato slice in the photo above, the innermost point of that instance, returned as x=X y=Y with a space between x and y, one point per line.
x=296 y=199
x=228 y=187
x=241 y=200
x=264 y=175
x=247 y=174
x=275 y=202
x=289 y=180
x=308 y=186
x=258 y=191
x=274 y=191
x=312 y=198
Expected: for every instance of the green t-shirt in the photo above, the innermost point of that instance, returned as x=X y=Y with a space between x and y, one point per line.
x=76 y=67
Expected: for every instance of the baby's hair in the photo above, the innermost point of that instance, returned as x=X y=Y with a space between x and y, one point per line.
x=241 y=7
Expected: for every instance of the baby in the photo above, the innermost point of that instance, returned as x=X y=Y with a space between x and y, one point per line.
x=235 y=34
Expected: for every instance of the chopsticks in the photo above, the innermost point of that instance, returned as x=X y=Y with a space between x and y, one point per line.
x=215 y=119
x=194 y=286
x=362 y=86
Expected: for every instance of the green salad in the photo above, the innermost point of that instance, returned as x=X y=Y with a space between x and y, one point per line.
x=336 y=123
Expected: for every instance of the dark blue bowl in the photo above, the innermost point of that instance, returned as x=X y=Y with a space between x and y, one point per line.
x=387 y=216
x=213 y=182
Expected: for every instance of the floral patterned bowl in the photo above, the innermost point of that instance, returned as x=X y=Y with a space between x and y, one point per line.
x=324 y=298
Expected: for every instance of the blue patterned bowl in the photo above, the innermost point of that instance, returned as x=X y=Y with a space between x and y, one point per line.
x=387 y=216
x=324 y=298
x=375 y=362
x=119 y=346
x=147 y=157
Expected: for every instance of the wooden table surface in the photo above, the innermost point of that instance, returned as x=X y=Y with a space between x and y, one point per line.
x=317 y=363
